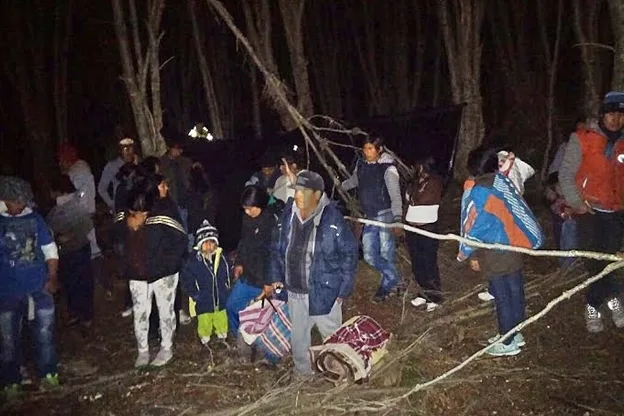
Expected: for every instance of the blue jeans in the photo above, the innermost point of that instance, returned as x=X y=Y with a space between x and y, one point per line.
x=237 y=300
x=508 y=292
x=379 y=251
x=567 y=241
x=11 y=314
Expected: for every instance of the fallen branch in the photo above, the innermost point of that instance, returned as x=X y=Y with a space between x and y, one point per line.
x=564 y=296
x=502 y=247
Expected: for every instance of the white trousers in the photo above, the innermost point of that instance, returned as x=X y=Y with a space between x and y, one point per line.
x=164 y=289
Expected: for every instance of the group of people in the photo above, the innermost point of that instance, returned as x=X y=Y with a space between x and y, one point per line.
x=294 y=242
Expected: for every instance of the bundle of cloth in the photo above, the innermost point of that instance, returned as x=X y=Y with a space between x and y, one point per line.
x=350 y=353
x=265 y=324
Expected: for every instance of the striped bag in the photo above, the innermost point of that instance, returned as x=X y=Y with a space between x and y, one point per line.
x=274 y=341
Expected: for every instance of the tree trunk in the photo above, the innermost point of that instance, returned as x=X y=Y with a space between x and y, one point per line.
x=617 y=22
x=462 y=40
x=259 y=32
x=62 y=36
x=552 y=75
x=137 y=68
x=211 y=97
x=255 y=104
x=292 y=17
x=585 y=28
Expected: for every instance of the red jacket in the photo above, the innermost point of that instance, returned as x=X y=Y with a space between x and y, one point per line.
x=600 y=178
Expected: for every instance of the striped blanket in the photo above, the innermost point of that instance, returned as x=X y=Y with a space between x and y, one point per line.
x=350 y=352
x=266 y=325
x=493 y=211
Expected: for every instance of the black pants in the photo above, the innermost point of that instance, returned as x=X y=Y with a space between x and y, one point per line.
x=601 y=232
x=76 y=276
x=424 y=255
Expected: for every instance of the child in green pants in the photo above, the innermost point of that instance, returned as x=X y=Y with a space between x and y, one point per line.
x=206 y=279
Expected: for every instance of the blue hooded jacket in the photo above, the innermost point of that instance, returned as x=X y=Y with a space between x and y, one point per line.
x=207 y=289
x=334 y=257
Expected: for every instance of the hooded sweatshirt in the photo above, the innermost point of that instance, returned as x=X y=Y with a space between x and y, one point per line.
x=301 y=248
x=82 y=179
x=70 y=221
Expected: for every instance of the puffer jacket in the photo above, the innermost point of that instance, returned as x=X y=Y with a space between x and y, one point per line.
x=207 y=287
x=334 y=257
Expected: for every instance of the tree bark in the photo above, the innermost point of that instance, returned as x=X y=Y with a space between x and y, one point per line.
x=62 y=36
x=462 y=40
x=259 y=32
x=617 y=22
x=216 y=127
x=292 y=18
x=552 y=81
x=585 y=28
x=138 y=68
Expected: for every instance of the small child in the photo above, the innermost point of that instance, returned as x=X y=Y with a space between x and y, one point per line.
x=71 y=224
x=494 y=212
x=564 y=224
x=28 y=267
x=206 y=279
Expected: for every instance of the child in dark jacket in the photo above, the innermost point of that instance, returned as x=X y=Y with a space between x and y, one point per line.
x=206 y=279
x=494 y=212
x=71 y=224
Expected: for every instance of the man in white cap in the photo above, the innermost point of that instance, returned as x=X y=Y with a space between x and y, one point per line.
x=127 y=154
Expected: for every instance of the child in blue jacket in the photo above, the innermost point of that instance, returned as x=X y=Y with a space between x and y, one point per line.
x=494 y=212
x=206 y=279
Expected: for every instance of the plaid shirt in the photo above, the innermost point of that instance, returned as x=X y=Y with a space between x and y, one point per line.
x=364 y=335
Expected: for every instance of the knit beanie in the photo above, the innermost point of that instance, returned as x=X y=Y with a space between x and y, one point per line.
x=15 y=189
x=613 y=102
x=206 y=232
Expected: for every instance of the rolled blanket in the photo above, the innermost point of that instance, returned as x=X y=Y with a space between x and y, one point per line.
x=349 y=353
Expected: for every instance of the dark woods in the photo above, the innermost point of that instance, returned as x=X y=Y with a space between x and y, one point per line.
x=91 y=72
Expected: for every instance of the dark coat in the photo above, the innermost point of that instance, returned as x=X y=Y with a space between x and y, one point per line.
x=334 y=259
x=207 y=289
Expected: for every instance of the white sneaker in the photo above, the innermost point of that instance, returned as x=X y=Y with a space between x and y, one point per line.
x=418 y=301
x=185 y=319
x=485 y=296
x=204 y=340
x=126 y=313
x=142 y=359
x=162 y=358
x=432 y=306
x=617 y=312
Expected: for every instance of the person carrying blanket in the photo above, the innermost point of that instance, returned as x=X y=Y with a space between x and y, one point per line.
x=494 y=212
x=206 y=279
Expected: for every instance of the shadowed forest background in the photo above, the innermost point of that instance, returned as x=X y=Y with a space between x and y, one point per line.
x=90 y=72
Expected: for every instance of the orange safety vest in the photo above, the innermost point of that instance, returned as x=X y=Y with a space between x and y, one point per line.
x=600 y=179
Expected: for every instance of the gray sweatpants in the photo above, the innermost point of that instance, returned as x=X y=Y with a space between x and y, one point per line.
x=164 y=290
x=302 y=324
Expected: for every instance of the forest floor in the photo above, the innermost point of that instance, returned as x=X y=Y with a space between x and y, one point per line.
x=562 y=370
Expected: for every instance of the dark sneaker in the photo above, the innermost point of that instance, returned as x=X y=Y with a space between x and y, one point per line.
x=381 y=295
